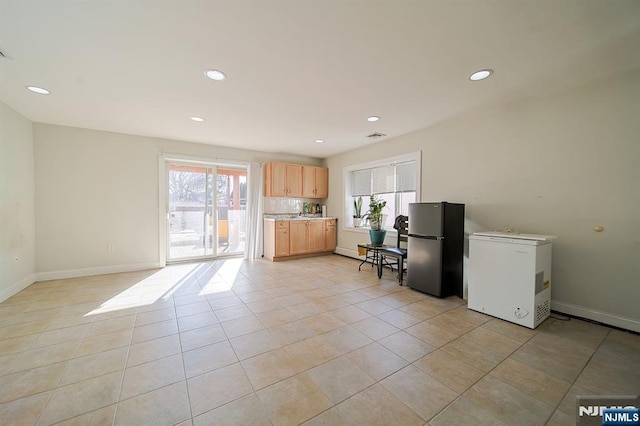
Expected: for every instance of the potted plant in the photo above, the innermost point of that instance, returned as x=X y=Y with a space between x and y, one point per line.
x=376 y=219
x=357 y=212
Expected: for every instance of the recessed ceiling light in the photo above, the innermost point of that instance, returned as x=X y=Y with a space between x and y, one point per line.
x=373 y=118
x=198 y=119
x=319 y=140
x=215 y=75
x=480 y=75
x=38 y=90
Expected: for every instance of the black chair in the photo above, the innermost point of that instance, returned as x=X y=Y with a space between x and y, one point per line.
x=398 y=253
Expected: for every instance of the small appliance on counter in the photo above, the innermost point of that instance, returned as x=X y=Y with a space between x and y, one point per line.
x=510 y=276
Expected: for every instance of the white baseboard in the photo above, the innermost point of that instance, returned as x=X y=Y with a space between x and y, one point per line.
x=592 y=314
x=17 y=287
x=87 y=272
x=347 y=252
x=565 y=308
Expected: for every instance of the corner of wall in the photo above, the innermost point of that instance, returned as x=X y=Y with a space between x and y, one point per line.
x=16 y=287
x=17 y=202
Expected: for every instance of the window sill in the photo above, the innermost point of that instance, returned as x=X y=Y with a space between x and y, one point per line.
x=363 y=230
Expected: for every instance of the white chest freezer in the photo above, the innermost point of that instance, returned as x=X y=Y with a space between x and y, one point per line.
x=510 y=276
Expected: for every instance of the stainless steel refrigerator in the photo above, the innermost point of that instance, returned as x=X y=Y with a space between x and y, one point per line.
x=435 y=248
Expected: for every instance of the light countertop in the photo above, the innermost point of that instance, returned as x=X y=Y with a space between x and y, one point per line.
x=293 y=216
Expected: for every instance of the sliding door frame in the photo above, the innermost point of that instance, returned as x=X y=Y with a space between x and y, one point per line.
x=164 y=161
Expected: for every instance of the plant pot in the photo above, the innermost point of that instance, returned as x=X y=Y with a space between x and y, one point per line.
x=357 y=222
x=377 y=223
x=377 y=236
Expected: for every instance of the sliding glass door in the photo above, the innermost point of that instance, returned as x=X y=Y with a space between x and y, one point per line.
x=206 y=211
x=231 y=210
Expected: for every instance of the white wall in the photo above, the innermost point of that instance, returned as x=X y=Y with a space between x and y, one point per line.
x=560 y=165
x=97 y=188
x=17 y=223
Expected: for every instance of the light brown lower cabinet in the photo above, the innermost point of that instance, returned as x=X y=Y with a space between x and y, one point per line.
x=282 y=239
x=330 y=236
x=296 y=238
x=299 y=240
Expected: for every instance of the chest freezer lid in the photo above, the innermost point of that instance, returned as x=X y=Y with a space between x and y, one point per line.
x=511 y=236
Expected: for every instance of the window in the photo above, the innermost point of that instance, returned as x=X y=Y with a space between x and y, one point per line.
x=396 y=180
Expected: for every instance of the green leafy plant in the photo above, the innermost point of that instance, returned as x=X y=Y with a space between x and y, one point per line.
x=357 y=208
x=375 y=215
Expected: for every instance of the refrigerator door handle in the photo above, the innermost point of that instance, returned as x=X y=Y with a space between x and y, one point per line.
x=425 y=237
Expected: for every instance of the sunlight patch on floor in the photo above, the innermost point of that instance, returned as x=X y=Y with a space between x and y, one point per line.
x=224 y=277
x=160 y=285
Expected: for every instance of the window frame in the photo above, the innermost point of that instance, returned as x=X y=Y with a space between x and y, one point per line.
x=347 y=214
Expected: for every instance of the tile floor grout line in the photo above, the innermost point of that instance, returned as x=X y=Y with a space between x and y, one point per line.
x=124 y=369
x=574 y=380
x=184 y=368
x=564 y=395
x=57 y=385
x=370 y=292
x=461 y=394
x=239 y=362
x=573 y=383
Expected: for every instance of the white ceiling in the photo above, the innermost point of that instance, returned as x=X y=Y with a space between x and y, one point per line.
x=299 y=70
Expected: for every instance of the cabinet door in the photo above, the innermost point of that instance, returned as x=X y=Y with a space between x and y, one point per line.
x=316 y=235
x=330 y=235
x=309 y=181
x=294 y=180
x=299 y=237
x=282 y=239
x=315 y=182
x=276 y=180
x=322 y=182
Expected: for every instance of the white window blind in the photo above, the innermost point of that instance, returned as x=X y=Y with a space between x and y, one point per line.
x=361 y=182
x=394 y=180
x=382 y=181
x=406 y=177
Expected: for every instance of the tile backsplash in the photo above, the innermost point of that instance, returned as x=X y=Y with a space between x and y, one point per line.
x=285 y=205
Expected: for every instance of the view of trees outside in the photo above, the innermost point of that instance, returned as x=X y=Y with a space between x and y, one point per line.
x=187 y=186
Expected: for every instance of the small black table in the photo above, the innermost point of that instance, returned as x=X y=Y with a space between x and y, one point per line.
x=372 y=252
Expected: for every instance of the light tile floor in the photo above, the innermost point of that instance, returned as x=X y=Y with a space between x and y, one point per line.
x=309 y=341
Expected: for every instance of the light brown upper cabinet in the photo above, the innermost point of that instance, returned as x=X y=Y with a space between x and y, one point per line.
x=315 y=182
x=283 y=180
